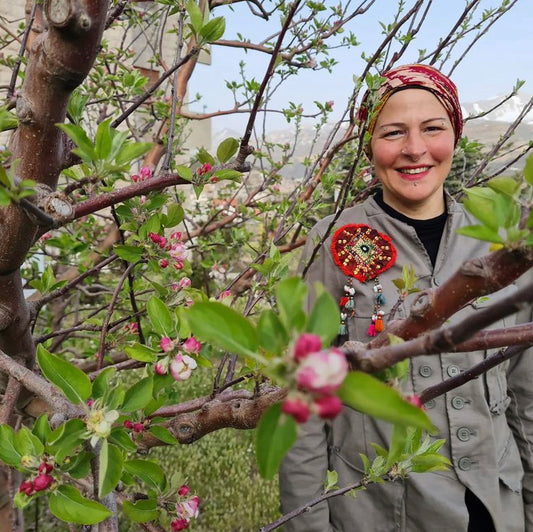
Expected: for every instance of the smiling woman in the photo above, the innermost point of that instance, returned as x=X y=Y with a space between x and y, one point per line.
x=414 y=120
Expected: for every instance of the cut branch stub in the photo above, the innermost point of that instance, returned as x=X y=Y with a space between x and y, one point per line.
x=59 y=12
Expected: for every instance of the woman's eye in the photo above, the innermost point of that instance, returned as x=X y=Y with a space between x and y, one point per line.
x=393 y=133
x=432 y=129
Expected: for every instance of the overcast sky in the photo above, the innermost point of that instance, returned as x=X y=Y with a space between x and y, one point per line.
x=490 y=68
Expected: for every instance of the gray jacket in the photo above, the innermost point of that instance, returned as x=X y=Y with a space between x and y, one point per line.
x=487 y=423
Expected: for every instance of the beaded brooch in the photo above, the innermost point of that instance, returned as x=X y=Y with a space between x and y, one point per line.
x=362 y=252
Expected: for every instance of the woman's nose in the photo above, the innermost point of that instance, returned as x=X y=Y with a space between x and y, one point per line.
x=414 y=146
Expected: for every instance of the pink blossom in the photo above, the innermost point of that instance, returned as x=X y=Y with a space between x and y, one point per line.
x=179 y=524
x=46 y=237
x=224 y=294
x=162 y=242
x=42 y=482
x=183 y=490
x=45 y=467
x=174 y=286
x=135 y=178
x=329 y=105
x=163 y=263
x=415 y=400
x=178 y=264
x=307 y=343
x=166 y=343
x=145 y=173
x=185 y=282
x=138 y=427
x=27 y=487
x=90 y=402
x=189 y=509
x=192 y=345
x=205 y=169
x=154 y=237
x=296 y=407
x=176 y=235
x=328 y=406
x=213 y=179
x=322 y=372
x=134 y=327
x=182 y=366
x=143 y=200
x=128 y=424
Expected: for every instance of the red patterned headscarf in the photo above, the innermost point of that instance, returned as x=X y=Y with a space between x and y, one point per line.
x=413 y=76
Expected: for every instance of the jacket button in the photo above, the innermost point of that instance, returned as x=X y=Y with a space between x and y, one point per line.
x=453 y=371
x=458 y=402
x=425 y=371
x=464 y=434
x=430 y=404
x=465 y=463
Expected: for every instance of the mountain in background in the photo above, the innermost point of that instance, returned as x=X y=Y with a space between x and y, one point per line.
x=486 y=129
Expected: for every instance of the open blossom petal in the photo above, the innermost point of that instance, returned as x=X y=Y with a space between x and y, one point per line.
x=307 y=343
x=322 y=372
x=181 y=367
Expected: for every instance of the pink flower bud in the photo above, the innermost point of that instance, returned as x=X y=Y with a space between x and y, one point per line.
x=179 y=524
x=165 y=343
x=307 y=343
x=135 y=178
x=224 y=295
x=27 y=487
x=297 y=408
x=42 y=482
x=415 y=400
x=90 y=402
x=162 y=242
x=145 y=172
x=138 y=427
x=163 y=263
x=185 y=282
x=128 y=424
x=143 y=200
x=192 y=345
x=161 y=367
x=154 y=237
x=45 y=467
x=184 y=490
x=328 y=406
x=176 y=235
x=322 y=372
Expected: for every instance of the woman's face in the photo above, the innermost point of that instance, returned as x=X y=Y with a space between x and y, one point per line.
x=412 y=151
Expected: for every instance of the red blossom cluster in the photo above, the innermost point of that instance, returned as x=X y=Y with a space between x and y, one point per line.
x=40 y=483
x=144 y=173
x=173 y=245
x=185 y=509
x=136 y=426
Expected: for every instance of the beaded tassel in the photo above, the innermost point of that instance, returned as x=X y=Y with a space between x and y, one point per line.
x=347 y=308
x=376 y=326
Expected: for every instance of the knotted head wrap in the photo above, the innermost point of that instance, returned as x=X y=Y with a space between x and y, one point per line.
x=412 y=77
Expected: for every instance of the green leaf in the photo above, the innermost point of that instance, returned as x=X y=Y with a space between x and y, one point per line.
x=129 y=253
x=160 y=316
x=276 y=434
x=69 y=505
x=78 y=465
x=27 y=443
x=272 y=335
x=41 y=428
x=483 y=210
x=141 y=511
x=195 y=15
x=480 y=232
x=184 y=172
x=139 y=395
x=174 y=215
x=332 y=477
x=290 y=295
x=110 y=469
x=228 y=175
x=141 y=352
x=227 y=149
x=8 y=452
x=429 y=462
x=222 y=326
x=103 y=139
x=120 y=436
x=528 y=169
x=398 y=442
x=163 y=434
x=102 y=383
x=132 y=151
x=324 y=318
x=85 y=146
x=69 y=379
x=64 y=440
x=8 y=120
x=214 y=29
x=370 y=396
x=148 y=471
x=506 y=185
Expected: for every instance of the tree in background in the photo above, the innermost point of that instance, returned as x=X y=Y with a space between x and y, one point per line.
x=149 y=259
